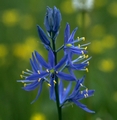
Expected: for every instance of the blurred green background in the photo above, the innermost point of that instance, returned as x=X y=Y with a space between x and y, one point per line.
x=19 y=38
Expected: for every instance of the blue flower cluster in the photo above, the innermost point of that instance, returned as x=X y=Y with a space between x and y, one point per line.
x=53 y=72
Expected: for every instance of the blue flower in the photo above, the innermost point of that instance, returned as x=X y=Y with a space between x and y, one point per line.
x=69 y=47
x=52 y=22
x=32 y=84
x=37 y=76
x=65 y=97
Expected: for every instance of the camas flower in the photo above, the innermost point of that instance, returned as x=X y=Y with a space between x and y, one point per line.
x=30 y=85
x=69 y=41
x=52 y=22
x=70 y=49
x=37 y=76
x=65 y=97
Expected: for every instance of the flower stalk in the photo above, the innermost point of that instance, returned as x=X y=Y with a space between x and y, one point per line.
x=56 y=84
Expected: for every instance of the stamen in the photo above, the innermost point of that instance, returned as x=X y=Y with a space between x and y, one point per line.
x=86 y=89
x=81 y=84
x=85 y=48
x=86 y=56
x=64 y=89
x=47 y=70
x=23 y=72
x=39 y=79
x=24 y=84
x=85 y=95
x=49 y=85
x=21 y=76
x=22 y=81
x=87 y=70
x=83 y=38
x=79 y=45
x=82 y=52
x=78 y=38
x=38 y=72
x=27 y=70
x=54 y=81
x=88 y=62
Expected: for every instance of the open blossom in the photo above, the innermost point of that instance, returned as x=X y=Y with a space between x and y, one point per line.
x=66 y=97
x=69 y=47
x=37 y=76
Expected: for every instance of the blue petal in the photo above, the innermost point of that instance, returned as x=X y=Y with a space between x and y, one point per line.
x=57 y=19
x=71 y=38
x=51 y=58
x=62 y=61
x=39 y=92
x=37 y=76
x=33 y=66
x=41 y=60
x=66 y=92
x=37 y=65
x=65 y=76
x=84 y=107
x=31 y=86
x=67 y=33
x=43 y=36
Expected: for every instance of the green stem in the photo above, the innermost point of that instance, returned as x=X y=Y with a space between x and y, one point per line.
x=56 y=85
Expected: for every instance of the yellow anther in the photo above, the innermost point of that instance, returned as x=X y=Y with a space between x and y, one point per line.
x=87 y=70
x=86 y=56
x=86 y=89
x=21 y=76
x=78 y=38
x=39 y=79
x=49 y=85
x=85 y=48
x=79 y=45
x=54 y=81
x=88 y=62
x=22 y=72
x=27 y=69
x=83 y=38
x=24 y=84
x=38 y=72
